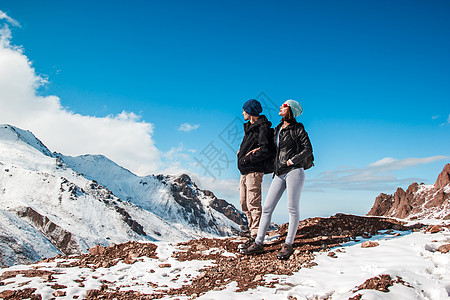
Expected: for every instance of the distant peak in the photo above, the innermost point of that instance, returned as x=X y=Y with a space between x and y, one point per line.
x=183 y=178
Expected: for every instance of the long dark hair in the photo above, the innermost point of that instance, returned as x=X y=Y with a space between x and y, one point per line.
x=289 y=117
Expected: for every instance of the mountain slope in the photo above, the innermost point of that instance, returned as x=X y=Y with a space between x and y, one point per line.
x=48 y=208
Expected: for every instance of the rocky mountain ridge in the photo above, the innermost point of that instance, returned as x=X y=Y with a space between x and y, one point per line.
x=419 y=201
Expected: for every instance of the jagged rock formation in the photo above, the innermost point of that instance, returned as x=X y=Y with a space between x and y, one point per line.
x=59 y=237
x=418 y=201
x=187 y=194
x=228 y=210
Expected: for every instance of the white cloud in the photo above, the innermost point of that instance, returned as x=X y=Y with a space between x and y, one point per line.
x=390 y=164
x=227 y=189
x=446 y=122
x=177 y=160
x=376 y=176
x=123 y=138
x=383 y=162
x=4 y=16
x=186 y=127
x=127 y=116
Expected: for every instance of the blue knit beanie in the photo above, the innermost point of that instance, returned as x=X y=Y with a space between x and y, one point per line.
x=296 y=108
x=252 y=107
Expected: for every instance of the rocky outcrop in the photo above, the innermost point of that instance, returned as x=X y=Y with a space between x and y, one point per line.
x=62 y=239
x=229 y=211
x=184 y=194
x=107 y=197
x=418 y=201
x=443 y=178
x=187 y=194
x=134 y=225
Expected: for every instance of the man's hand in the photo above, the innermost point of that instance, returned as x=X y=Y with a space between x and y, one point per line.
x=252 y=151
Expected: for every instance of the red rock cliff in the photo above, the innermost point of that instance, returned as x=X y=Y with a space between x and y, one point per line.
x=418 y=201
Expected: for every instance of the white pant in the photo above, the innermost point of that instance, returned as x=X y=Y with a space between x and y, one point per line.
x=292 y=181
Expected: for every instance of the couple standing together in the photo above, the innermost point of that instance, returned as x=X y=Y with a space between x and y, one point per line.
x=290 y=145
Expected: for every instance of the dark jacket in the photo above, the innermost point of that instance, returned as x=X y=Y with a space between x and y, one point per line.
x=288 y=148
x=256 y=135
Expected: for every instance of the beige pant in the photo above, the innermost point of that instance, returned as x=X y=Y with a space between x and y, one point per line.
x=250 y=196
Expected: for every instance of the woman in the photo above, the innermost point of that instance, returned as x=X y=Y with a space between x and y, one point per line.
x=293 y=148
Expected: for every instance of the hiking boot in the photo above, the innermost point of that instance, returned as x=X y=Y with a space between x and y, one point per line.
x=247 y=244
x=285 y=252
x=254 y=248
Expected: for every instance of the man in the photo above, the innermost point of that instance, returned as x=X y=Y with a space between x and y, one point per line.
x=254 y=151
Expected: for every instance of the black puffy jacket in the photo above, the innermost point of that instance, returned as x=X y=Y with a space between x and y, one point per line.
x=288 y=148
x=256 y=135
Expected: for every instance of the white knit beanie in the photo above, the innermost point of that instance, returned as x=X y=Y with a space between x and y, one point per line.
x=296 y=108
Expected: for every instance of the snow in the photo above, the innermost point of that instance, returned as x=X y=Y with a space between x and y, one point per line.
x=447 y=189
x=423 y=188
x=11 y=133
x=411 y=256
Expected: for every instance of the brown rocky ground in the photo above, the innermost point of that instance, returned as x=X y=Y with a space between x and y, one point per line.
x=106 y=257
x=313 y=235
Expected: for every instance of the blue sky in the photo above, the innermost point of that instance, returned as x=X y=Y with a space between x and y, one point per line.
x=373 y=78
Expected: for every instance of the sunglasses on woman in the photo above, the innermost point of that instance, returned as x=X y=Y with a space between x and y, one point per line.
x=285 y=105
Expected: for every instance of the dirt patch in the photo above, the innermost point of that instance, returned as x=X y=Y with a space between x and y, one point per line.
x=27 y=273
x=123 y=295
x=105 y=257
x=27 y=293
x=380 y=283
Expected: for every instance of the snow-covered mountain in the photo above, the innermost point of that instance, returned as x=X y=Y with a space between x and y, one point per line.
x=52 y=204
x=176 y=199
x=419 y=201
